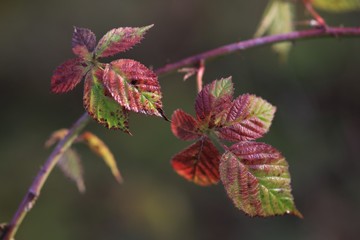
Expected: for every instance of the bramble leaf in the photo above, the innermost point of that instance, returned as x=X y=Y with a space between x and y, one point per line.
x=249 y=118
x=198 y=163
x=184 y=126
x=256 y=178
x=68 y=75
x=70 y=164
x=212 y=102
x=278 y=18
x=100 y=148
x=83 y=42
x=101 y=106
x=119 y=40
x=134 y=86
x=337 y=5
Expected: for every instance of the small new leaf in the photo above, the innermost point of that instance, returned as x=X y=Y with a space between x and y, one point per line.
x=184 y=126
x=119 y=40
x=101 y=106
x=68 y=75
x=256 y=178
x=100 y=148
x=212 y=102
x=249 y=118
x=70 y=164
x=198 y=163
x=83 y=42
x=134 y=86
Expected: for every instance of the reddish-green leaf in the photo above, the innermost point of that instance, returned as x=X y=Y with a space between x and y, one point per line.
x=83 y=42
x=212 y=102
x=184 y=126
x=70 y=164
x=100 y=148
x=134 y=86
x=119 y=40
x=101 y=106
x=198 y=163
x=249 y=118
x=68 y=75
x=256 y=178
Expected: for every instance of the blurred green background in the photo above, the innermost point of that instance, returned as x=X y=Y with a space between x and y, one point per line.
x=316 y=127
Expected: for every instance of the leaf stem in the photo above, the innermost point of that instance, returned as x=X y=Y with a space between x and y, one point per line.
x=35 y=188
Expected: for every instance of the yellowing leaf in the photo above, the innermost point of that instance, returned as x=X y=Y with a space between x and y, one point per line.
x=278 y=18
x=99 y=147
x=337 y=5
x=70 y=164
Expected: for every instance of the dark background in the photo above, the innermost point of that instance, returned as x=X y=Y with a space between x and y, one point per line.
x=317 y=94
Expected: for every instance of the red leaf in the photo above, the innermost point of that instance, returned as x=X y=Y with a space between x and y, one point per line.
x=83 y=42
x=134 y=86
x=68 y=75
x=198 y=163
x=184 y=126
x=249 y=118
x=119 y=40
x=213 y=101
x=256 y=178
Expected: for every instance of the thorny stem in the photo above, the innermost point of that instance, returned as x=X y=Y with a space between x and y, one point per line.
x=35 y=188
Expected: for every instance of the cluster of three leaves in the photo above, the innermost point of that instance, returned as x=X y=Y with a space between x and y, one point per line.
x=254 y=174
x=111 y=90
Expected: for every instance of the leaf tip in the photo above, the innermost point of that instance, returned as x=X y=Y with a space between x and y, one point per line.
x=118 y=177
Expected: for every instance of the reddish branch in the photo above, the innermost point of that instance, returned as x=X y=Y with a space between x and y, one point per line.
x=35 y=188
x=242 y=45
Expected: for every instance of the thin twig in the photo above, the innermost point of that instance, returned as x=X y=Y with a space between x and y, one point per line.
x=35 y=188
x=242 y=45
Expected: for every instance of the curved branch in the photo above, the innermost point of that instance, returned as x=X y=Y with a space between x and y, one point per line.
x=35 y=188
x=251 y=43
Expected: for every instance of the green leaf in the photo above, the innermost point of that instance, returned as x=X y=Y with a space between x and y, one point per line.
x=249 y=117
x=278 y=18
x=134 y=86
x=100 y=148
x=119 y=40
x=256 y=178
x=70 y=164
x=101 y=106
x=337 y=5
